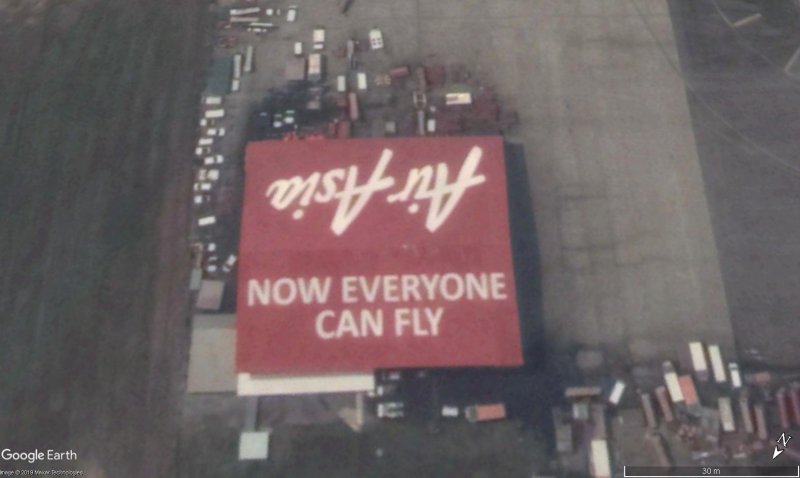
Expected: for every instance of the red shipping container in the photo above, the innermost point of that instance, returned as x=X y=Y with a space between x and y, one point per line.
x=689 y=390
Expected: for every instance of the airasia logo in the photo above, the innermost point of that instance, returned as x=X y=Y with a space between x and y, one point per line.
x=422 y=185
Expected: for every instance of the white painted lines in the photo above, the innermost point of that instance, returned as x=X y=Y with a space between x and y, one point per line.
x=747 y=20
x=792 y=61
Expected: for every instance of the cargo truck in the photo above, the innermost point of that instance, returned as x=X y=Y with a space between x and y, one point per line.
x=717 y=366
x=699 y=363
x=316 y=67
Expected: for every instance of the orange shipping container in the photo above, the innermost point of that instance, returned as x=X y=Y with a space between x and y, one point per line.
x=689 y=390
x=482 y=413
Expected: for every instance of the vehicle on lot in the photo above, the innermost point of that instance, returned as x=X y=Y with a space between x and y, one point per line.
x=204 y=141
x=375 y=39
x=207 y=123
x=736 y=377
x=390 y=410
x=204 y=174
x=202 y=150
x=699 y=363
x=717 y=366
x=291 y=14
x=318 y=38
x=316 y=67
x=616 y=392
x=671 y=379
x=361 y=80
x=390 y=376
x=599 y=459
x=211 y=160
x=352 y=106
x=341 y=83
x=482 y=413
x=215 y=132
x=383 y=390
x=726 y=414
x=200 y=199
x=228 y=265
x=263 y=25
x=277 y=121
x=298 y=48
x=450 y=411
x=207 y=221
x=212 y=100
x=204 y=187
x=214 y=114
x=248 y=59
x=289 y=117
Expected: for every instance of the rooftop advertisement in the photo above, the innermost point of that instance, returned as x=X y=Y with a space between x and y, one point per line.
x=375 y=253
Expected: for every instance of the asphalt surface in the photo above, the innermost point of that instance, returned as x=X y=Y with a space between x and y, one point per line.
x=745 y=106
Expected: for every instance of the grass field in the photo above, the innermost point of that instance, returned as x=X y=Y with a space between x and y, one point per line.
x=97 y=117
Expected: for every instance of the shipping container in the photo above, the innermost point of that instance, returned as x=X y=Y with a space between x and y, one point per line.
x=244 y=11
x=316 y=67
x=616 y=392
x=298 y=48
x=318 y=38
x=649 y=410
x=212 y=100
x=760 y=421
x=207 y=221
x=205 y=142
x=243 y=20
x=717 y=365
x=689 y=391
x=671 y=380
x=361 y=80
x=699 y=362
x=237 y=66
x=662 y=396
x=220 y=113
x=341 y=83
x=248 y=59
x=235 y=85
x=563 y=429
x=599 y=430
x=582 y=392
x=726 y=414
x=600 y=461
x=375 y=39
x=783 y=408
x=399 y=72
x=736 y=377
x=482 y=413
x=455 y=99
x=352 y=106
x=794 y=399
x=746 y=413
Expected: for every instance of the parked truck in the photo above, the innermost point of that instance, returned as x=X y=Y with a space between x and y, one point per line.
x=699 y=362
x=316 y=67
x=483 y=413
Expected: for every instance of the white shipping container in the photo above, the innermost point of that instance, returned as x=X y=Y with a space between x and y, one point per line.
x=671 y=380
x=450 y=411
x=717 y=366
x=319 y=35
x=362 y=80
x=235 y=85
x=726 y=414
x=248 y=59
x=452 y=99
x=600 y=460
x=244 y=11
x=220 y=113
x=243 y=19
x=207 y=221
x=237 y=66
x=212 y=100
x=616 y=393
x=341 y=83
x=699 y=363
x=736 y=378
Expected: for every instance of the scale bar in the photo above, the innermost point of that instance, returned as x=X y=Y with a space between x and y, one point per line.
x=711 y=471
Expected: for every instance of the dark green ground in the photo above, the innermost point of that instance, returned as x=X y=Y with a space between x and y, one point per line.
x=97 y=115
